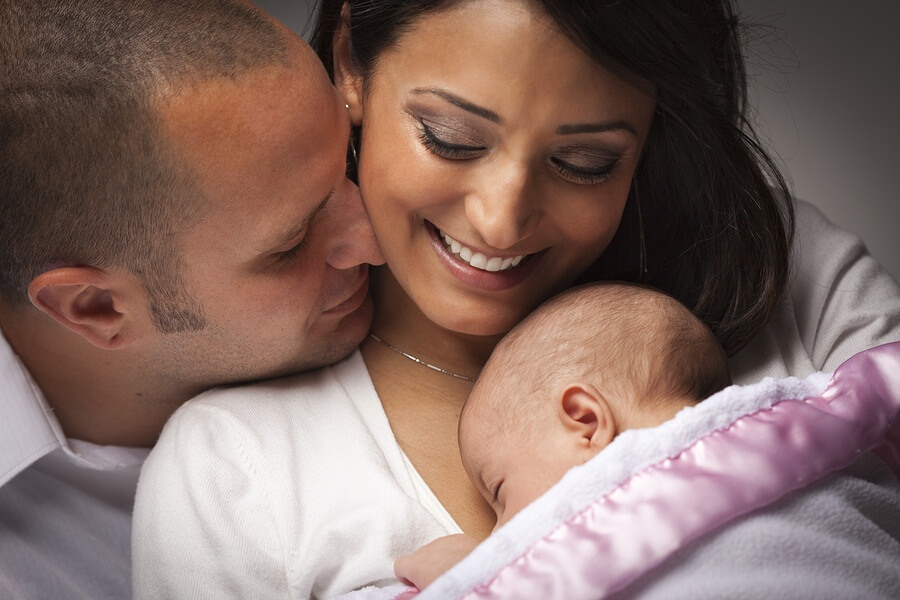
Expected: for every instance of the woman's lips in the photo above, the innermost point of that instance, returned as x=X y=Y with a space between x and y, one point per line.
x=499 y=273
x=485 y=261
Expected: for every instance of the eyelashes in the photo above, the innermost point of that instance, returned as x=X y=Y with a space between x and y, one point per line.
x=568 y=171
x=446 y=149
x=584 y=175
x=294 y=252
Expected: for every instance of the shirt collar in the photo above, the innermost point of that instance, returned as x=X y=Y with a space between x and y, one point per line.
x=29 y=430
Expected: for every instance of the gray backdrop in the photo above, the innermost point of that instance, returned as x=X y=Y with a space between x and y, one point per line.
x=828 y=94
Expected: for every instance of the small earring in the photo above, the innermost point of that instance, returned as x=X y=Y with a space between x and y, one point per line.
x=353 y=151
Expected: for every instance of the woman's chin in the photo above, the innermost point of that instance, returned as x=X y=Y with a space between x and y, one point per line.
x=450 y=306
x=480 y=326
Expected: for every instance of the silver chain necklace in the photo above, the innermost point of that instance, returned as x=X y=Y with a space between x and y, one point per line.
x=420 y=361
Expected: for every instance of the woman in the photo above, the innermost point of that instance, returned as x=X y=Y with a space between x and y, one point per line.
x=505 y=149
x=509 y=184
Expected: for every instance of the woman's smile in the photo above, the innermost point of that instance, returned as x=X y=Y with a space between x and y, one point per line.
x=474 y=258
x=480 y=268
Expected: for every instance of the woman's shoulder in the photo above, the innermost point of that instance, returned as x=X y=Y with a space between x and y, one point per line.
x=839 y=301
x=293 y=393
x=819 y=243
x=273 y=413
x=837 y=283
x=292 y=426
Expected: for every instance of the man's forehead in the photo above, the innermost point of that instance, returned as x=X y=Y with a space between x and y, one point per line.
x=299 y=81
x=255 y=127
x=209 y=108
x=264 y=148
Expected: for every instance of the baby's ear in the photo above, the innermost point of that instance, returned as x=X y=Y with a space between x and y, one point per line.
x=585 y=412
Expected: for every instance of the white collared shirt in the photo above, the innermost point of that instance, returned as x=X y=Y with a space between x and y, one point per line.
x=65 y=505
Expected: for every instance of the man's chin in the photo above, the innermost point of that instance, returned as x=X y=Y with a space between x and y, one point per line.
x=346 y=337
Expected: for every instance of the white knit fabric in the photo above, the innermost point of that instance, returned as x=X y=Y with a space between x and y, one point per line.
x=297 y=488
x=292 y=488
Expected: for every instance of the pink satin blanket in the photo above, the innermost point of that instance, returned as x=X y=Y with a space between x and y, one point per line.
x=748 y=463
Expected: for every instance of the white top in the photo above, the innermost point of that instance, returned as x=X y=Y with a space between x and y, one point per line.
x=297 y=488
x=65 y=505
x=291 y=488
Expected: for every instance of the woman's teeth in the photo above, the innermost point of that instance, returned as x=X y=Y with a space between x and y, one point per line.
x=479 y=260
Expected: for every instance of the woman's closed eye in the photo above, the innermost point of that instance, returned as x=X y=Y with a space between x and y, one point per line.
x=586 y=166
x=448 y=142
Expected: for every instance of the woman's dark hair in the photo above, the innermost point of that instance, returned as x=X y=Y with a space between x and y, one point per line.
x=709 y=218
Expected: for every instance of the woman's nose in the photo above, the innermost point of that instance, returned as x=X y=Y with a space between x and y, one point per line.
x=504 y=209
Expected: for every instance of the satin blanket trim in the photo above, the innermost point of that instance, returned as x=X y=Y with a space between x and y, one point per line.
x=750 y=461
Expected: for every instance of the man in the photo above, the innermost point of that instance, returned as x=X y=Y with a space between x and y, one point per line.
x=174 y=215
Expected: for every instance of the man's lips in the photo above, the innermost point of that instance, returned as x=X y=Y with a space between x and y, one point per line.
x=356 y=298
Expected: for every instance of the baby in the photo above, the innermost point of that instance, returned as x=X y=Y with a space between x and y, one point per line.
x=588 y=364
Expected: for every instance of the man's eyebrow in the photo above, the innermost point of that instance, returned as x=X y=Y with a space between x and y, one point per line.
x=289 y=236
x=461 y=103
x=596 y=128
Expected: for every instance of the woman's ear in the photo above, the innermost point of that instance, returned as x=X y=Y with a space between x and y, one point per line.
x=95 y=304
x=584 y=411
x=346 y=78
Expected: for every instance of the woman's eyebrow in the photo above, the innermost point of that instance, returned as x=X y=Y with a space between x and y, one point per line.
x=596 y=128
x=495 y=118
x=461 y=103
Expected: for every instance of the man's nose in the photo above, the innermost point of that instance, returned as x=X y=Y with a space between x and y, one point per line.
x=353 y=240
x=504 y=208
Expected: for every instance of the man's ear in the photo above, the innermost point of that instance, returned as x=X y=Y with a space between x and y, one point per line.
x=347 y=80
x=586 y=412
x=98 y=305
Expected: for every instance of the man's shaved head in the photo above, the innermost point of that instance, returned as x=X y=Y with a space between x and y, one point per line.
x=86 y=176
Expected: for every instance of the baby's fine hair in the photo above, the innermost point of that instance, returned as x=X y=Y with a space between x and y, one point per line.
x=630 y=341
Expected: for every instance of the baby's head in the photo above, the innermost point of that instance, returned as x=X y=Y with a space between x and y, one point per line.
x=586 y=365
